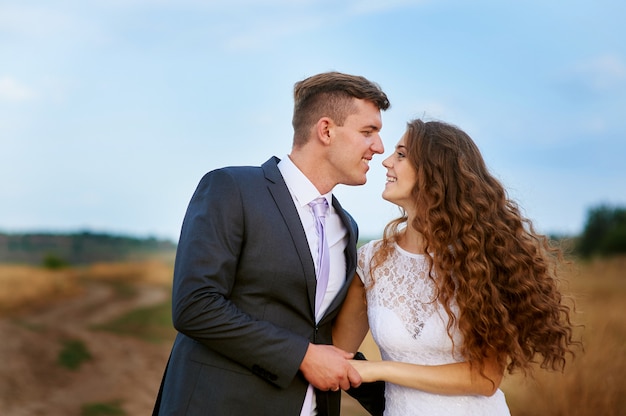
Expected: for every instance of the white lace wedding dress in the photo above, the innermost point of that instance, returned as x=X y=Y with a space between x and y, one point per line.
x=408 y=327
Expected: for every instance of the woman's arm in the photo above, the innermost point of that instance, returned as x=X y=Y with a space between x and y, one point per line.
x=351 y=325
x=449 y=379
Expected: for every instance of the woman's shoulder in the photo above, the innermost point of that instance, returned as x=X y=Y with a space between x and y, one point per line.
x=370 y=246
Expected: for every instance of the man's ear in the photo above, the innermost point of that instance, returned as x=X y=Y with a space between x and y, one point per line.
x=324 y=129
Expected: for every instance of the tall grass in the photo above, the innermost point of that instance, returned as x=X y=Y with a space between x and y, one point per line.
x=594 y=383
x=26 y=286
x=157 y=272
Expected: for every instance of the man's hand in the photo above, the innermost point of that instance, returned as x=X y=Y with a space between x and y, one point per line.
x=327 y=368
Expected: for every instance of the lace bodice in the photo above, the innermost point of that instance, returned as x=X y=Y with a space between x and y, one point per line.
x=408 y=325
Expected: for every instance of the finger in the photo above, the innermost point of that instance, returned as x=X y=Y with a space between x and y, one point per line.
x=345 y=385
x=347 y=355
x=354 y=377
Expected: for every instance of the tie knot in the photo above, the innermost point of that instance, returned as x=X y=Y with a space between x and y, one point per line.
x=319 y=207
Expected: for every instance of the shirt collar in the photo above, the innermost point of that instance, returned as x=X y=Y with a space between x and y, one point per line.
x=299 y=185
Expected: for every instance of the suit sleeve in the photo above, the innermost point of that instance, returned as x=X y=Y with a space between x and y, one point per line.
x=210 y=245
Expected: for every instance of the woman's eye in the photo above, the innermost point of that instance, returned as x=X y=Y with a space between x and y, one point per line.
x=400 y=155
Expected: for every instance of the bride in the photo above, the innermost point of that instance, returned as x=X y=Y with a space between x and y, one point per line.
x=460 y=288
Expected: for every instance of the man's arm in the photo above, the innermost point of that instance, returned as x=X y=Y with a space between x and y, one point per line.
x=204 y=276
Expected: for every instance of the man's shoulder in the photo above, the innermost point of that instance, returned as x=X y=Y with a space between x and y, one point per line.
x=242 y=169
x=270 y=163
x=244 y=173
x=238 y=170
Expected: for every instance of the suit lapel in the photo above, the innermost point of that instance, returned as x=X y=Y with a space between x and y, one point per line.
x=284 y=203
x=350 y=254
x=350 y=225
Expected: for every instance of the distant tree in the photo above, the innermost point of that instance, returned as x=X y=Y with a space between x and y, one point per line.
x=604 y=233
x=79 y=248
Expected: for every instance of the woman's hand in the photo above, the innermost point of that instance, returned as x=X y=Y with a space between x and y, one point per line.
x=367 y=369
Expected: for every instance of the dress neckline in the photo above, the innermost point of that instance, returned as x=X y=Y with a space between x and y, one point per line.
x=406 y=252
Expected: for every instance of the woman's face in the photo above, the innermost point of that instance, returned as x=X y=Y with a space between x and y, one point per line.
x=401 y=177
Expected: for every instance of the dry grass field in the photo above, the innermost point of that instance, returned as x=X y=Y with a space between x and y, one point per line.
x=595 y=382
x=111 y=321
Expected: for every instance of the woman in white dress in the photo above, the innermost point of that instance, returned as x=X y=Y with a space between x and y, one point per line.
x=459 y=290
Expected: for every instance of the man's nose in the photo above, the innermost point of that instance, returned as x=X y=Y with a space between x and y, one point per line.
x=377 y=146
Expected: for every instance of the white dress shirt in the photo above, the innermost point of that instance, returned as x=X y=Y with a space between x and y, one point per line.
x=303 y=191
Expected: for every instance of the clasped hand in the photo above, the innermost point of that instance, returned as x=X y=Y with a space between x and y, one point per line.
x=328 y=368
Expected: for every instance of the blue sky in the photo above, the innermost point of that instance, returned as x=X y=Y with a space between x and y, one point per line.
x=112 y=110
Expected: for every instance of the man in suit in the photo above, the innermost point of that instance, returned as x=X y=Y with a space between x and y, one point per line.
x=250 y=341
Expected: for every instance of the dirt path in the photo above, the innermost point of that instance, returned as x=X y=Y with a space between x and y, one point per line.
x=123 y=369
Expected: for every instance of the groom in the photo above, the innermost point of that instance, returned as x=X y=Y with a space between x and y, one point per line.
x=249 y=336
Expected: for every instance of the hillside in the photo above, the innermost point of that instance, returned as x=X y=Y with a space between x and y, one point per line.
x=97 y=345
x=80 y=248
x=70 y=357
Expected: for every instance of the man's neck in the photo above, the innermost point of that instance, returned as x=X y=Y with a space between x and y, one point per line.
x=313 y=169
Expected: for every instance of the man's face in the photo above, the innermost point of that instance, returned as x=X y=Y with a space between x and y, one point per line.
x=354 y=144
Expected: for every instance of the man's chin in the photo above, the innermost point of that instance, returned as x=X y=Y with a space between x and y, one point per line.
x=357 y=182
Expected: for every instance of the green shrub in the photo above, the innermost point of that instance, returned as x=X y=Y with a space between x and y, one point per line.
x=102 y=409
x=73 y=354
x=53 y=262
x=151 y=323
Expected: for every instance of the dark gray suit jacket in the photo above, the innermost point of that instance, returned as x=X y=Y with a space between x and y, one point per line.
x=243 y=300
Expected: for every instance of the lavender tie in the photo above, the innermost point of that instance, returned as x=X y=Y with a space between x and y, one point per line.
x=320 y=208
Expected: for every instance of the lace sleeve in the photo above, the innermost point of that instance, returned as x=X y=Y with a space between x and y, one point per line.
x=364 y=257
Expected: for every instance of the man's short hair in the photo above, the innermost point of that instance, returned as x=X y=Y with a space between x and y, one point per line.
x=331 y=94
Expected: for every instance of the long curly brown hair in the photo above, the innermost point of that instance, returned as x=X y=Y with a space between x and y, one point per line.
x=484 y=255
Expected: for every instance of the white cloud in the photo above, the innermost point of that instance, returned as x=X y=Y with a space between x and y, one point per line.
x=48 y=23
x=373 y=6
x=267 y=31
x=13 y=90
x=261 y=23
x=32 y=20
x=244 y=6
x=604 y=72
x=204 y=4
